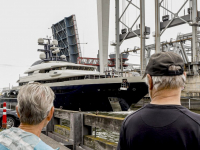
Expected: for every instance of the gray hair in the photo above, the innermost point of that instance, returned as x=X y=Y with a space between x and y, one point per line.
x=34 y=103
x=168 y=82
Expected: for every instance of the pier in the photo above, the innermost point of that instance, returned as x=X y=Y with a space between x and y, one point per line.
x=54 y=144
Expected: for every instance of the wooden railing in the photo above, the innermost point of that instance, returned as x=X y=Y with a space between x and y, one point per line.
x=79 y=134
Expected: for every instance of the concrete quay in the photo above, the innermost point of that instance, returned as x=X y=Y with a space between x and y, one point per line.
x=54 y=144
x=79 y=135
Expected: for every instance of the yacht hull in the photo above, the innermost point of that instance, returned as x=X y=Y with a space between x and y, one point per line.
x=93 y=97
x=98 y=94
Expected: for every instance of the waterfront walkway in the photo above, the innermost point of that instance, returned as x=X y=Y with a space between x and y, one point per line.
x=49 y=141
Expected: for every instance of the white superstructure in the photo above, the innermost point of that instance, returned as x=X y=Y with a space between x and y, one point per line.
x=57 y=71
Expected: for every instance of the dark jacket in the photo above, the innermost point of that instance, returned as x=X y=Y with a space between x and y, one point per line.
x=161 y=127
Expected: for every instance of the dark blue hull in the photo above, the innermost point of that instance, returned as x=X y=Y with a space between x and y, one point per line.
x=93 y=97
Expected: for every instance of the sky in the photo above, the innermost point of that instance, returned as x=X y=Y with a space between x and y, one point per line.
x=24 y=21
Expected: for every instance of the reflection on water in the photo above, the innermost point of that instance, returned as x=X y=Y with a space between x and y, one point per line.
x=108 y=135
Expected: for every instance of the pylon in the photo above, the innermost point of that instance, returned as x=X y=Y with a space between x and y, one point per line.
x=4 y=118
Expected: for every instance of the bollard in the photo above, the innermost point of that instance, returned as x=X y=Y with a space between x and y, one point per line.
x=4 y=118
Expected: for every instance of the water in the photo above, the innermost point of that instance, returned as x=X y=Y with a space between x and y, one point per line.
x=108 y=135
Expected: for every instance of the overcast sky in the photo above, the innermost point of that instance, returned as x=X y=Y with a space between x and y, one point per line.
x=24 y=21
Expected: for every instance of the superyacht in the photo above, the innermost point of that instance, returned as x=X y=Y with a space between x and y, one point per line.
x=81 y=87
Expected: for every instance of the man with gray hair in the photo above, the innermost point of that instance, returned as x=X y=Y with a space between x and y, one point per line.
x=163 y=124
x=34 y=109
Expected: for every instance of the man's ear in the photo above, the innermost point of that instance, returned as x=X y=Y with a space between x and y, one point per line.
x=150 y=82
x=50 y=115
x=17 y=112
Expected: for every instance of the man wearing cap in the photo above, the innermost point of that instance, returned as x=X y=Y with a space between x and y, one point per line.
x=163 y=124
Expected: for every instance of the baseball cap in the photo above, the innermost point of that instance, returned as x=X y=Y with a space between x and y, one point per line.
x=159 y=64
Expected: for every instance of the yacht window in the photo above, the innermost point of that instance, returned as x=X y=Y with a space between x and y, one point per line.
x=88 y=68
x=87 y=77
x=91 y=68
x=69 y=67
x=74 y=67
x=37 y=71
x=72 y=78
x=64 y=79
x=42 y=71
x=47 y=71
x=22 y=83
x=81 y=77
x=55 y=68
x=30 y=73
x=81 y=68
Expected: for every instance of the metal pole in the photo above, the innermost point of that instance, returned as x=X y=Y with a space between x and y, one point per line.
x=117 y=34
x=194 y=37
x=103 y=7
x=157 y=26
x=184 y=52
x=121 y=65
x=142 y=36
x=189 y=103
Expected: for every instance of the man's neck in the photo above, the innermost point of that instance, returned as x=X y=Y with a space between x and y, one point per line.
x=166 y=97
x=35 y=129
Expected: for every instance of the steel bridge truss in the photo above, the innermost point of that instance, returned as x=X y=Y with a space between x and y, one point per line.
x=141 y=33
x=66 y=32
x=129 y=28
